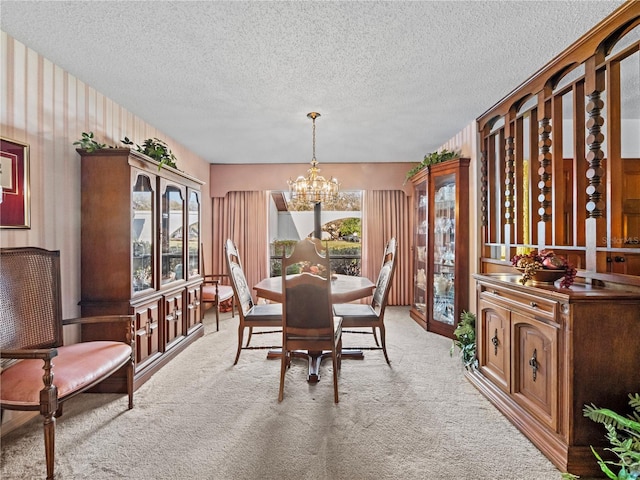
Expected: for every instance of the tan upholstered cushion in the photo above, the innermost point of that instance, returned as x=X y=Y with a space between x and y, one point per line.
x=75 y=367
x=209 y=293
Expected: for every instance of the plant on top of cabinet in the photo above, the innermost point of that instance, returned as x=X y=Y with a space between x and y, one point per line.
x=623 y=433
x=87 y=142
x=465 y=340
x=433 y=158
x=156 y=149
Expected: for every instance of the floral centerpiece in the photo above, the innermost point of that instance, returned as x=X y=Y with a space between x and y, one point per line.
x=316 y=269
x=544 y=266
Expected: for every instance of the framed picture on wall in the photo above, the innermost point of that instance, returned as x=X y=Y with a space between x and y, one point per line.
x=14 y=184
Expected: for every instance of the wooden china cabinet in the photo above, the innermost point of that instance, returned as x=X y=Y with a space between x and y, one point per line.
x=140 y=241
x=441 y=245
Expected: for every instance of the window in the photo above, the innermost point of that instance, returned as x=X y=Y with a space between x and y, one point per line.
x=341 y=226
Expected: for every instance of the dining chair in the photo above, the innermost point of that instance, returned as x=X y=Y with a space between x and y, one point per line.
x=357 y=315
x=308 y=321
x=251 y=314
x=215 y=293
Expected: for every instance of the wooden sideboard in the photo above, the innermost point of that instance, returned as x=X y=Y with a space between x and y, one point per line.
x=544 y=352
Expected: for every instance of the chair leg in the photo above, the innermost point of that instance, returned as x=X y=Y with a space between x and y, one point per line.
x=217 y=307
x=384 y=344
x=334 y=356
x=50 y=443
x=130 y=368
x=283 y=368
x=249 y=337
x=375 y=337
x=240 y=335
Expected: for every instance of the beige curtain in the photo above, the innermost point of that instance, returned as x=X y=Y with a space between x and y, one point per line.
x=386 y=214
x=242 y=217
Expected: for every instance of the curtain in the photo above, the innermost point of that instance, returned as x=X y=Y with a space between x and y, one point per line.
x=386 y=214
x=242 y=217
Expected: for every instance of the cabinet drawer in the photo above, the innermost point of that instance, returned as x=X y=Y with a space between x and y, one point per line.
x=529 y=304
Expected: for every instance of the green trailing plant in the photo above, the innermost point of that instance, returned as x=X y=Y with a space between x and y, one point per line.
x=623 y=433
x=465 y=340
x=88 y=142
x=433 y=158
x=156 y=149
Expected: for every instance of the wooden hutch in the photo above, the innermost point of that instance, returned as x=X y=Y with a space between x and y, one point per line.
x=140 y=240
x=560 y=170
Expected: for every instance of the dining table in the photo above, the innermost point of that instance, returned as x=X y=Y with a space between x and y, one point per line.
x=344 y=289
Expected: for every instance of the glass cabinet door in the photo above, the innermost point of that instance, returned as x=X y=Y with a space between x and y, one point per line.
x=142 y=233
x=420 y=252
x=193 y=241
x=444 y=248
x=172 y=234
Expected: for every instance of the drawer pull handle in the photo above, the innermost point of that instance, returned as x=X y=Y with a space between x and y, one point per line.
x=495 y=292
x=495 y=342
x=533 y=363
x=533 y=304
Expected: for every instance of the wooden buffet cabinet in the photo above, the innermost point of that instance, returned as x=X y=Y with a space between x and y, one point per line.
x=136 y=257
x=544 y=352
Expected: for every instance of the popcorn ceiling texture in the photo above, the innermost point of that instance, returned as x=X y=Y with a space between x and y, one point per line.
x=233 y=81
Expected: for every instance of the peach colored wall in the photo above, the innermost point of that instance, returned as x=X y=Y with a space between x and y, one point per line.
x=352 y=176
x=48 y=108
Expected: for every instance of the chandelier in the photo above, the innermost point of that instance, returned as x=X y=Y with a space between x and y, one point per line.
x=313 y=187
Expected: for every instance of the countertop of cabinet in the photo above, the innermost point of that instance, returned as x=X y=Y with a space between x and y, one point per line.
x=577 y=292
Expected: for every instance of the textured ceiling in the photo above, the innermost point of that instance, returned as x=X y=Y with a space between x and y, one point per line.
x=233 y=81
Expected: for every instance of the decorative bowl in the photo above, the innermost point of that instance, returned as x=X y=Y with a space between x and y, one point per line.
x=545 y=276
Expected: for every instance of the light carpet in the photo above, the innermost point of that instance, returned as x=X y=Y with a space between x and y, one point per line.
x=201 y=417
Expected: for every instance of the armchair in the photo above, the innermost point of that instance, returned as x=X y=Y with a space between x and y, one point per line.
x=214 y=292
x=39 y=373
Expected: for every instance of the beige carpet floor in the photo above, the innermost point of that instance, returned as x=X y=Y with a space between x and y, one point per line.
x=200 y=417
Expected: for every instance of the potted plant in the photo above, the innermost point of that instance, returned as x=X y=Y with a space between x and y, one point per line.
x=433 y=158
x=623 y=433
x=156 y=149
x=88 y=142
x=465 y=340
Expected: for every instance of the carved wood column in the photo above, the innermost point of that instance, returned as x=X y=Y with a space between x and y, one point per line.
x=509 y=174
x=595 y=226
x=544 y=170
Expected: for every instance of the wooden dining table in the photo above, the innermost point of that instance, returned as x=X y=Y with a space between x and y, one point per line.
x=344 y=289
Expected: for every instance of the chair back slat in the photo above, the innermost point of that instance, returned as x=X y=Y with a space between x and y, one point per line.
x=30 y=289
x=383 y=283
x=307 y=296
x=238 y=280
x=308 y=304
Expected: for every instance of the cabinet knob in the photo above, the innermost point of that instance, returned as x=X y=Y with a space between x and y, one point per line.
x=495 y=292
x=533 y=304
